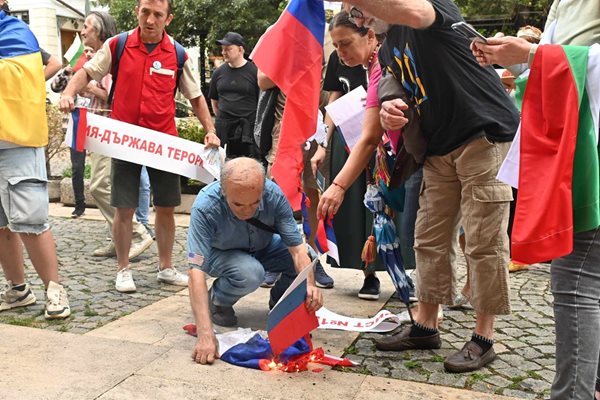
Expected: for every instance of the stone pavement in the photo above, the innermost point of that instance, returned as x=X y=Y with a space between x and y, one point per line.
x=118 y=346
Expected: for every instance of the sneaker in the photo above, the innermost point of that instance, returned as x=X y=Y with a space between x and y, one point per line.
x=514 y=266
x=221 y=315
x=141 y=246
x=57 y=303
x=106 y=251
x=470 y=358
x=401 y=340
x=150 y=231
x=405 y=318
x=270 y=279
x=370 y=288
x=13 y=298
x=125 y=283
x=322 y=280
x=78 y=211
x=171 y=276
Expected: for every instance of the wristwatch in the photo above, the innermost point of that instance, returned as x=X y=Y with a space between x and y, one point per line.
x=323 y=143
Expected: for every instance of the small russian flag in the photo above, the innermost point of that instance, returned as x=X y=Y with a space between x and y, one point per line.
x=290 y=320
x=79 y=116
x=325 y=239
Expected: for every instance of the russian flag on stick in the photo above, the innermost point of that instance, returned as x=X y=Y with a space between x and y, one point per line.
x=325 y=239
x=79 y=128
x=290 y=53
x=289 y=320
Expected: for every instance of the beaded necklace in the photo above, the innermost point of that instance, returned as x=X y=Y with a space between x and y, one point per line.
x=372 y=57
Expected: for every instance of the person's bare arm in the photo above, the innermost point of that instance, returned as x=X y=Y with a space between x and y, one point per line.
x=206 y=349
x=359 y=158
x=314 y=297
x=215 y=106
x=77 y=83
x=264 y=82
x=201 y=111
x=52 y=67
x=417 y=14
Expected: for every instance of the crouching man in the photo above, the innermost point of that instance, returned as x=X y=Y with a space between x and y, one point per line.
x=240 y=228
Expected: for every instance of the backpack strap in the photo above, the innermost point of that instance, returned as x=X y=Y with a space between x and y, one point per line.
x=180 y=51
x=261 y=225
x=121 y=40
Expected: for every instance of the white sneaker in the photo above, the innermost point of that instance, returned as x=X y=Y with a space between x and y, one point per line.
x=172 y=277
x=12 y=298
x=405 y=318
x=141 y=246
x=57 y=303
x=124 y=281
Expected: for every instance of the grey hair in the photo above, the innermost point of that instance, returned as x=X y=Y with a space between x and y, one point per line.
x=169 y=8
x=104 y=24
x=244 y=166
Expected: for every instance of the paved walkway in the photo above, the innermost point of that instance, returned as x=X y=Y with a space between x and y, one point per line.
x=132 y=346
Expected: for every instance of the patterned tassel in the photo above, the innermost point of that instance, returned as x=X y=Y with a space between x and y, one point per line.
x=368 y=251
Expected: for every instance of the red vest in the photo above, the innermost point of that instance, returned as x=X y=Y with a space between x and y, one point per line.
x=144 y=92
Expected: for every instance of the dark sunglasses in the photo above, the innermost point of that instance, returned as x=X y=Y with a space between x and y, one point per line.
x=356 y=13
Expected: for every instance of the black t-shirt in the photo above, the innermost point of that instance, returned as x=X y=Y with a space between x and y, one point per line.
x=341 y=78
x=45 y=56
x=236 y=89
x=457 y=99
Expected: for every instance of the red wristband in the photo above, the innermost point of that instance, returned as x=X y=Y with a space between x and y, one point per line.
x=338 y=185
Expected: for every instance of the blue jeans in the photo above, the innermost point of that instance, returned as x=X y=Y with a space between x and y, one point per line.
x=239 y=272
x=412 y=187
x=143 y=209
x=576 y=289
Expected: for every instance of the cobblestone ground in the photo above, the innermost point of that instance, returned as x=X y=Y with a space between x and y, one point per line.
x=524 y=367
x=524 y=340
x=90 y=280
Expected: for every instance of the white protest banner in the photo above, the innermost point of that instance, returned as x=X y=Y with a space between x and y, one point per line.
x=384 y=321
x=144 y=146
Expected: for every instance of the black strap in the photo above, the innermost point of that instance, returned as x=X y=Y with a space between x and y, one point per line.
x=261 y=225
x=121 y=40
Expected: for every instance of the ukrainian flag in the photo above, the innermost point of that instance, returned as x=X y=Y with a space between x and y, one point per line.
x=22 y=87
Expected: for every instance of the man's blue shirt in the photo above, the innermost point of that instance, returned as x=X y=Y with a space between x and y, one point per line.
x=214 y=226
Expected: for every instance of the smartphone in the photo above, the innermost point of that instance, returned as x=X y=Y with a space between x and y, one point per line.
x=468 y=31
x=320 y=181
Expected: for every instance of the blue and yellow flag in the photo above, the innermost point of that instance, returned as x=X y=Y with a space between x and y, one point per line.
x=22 y=87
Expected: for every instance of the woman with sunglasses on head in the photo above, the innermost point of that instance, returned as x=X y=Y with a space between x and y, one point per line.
x=357 y=48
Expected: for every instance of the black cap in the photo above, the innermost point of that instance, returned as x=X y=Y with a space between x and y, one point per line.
x=232 y=38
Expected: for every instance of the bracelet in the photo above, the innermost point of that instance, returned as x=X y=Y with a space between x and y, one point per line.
x=338 y=185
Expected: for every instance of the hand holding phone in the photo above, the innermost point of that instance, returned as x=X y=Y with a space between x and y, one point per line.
x=468 y=31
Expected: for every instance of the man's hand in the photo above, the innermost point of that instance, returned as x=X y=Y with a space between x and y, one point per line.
x=66 y=103
x=317 y=159
x=314 y=298
x=505 y=51
x=212 y=140
x=206 y=350
x=391 y=114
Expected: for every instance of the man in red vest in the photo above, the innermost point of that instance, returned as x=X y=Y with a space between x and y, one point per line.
x=144 y=96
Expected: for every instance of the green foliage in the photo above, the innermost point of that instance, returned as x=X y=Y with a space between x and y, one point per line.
x=56 y=134
x=190 y=129
x=87 y=172
x=201 y=22
x=504 y=16
x=412 y=364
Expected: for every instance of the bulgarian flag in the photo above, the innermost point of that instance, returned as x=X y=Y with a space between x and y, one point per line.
x=74 y=55
x=558 y=174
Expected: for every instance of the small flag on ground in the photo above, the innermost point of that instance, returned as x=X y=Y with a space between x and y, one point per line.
x=290 y=320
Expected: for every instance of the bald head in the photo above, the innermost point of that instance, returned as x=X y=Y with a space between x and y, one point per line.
x=242 y=184
x=243 y=172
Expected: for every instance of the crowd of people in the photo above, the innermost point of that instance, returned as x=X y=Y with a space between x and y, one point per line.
x=437 y=127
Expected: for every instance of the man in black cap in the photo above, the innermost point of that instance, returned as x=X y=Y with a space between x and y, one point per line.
x=234 y=94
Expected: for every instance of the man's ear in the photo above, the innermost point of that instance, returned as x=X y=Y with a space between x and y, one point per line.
x=169 y=19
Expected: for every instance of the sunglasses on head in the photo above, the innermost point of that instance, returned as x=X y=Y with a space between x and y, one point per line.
x=356 y=13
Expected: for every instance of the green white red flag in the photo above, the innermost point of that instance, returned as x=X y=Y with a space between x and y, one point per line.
x=558 y=173
x=74 y=55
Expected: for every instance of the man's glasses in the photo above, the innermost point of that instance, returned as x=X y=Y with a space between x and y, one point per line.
x=355 y=13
